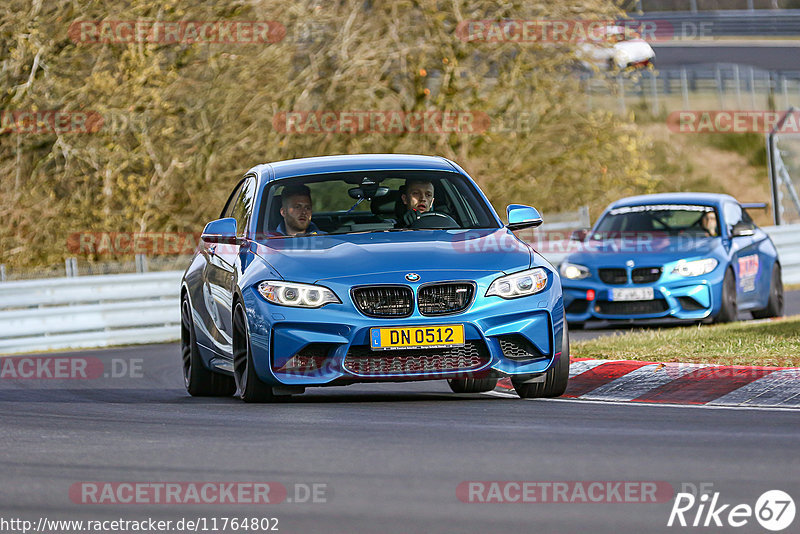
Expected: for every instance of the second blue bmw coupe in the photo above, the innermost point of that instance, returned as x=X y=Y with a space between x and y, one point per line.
x=334 y=270
x=677 y=257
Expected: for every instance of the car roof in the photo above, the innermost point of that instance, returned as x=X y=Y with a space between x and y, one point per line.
x=703 y=199
x=352 y=163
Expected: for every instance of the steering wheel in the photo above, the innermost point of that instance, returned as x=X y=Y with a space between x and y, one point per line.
x=432 y=220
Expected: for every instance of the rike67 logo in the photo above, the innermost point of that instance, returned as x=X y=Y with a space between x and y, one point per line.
x=774 y=510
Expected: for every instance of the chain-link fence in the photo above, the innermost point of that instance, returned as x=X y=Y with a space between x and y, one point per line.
x=701 y=87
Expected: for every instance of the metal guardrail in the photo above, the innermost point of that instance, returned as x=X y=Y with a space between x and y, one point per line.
x=100 y=311
x=567 y=220
x=787 y=241
x=89 y=311
x=780 y=22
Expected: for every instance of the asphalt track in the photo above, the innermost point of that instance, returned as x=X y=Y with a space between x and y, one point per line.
x=767 y=55
x=391 y=455
x=595 y=330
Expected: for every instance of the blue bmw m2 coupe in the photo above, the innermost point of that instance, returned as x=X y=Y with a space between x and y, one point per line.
x=676 y=257
x=367 y=268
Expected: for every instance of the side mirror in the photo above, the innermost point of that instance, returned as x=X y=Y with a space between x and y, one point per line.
x=742 y=229
x=221 y=231
x=520 y=216
x=579 y=235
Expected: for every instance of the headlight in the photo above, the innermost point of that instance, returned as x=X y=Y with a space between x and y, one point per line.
x=573 y=271
x=297 y=295
x=519 y=284
x=695 y=268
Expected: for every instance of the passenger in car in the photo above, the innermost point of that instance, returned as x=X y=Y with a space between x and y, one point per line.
x=296 y=212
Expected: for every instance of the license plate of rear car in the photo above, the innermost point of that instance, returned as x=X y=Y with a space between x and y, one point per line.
x=633 y=293
x=414 y=337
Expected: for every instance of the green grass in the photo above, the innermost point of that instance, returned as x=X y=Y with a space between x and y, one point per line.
x=749 y=145
x=772 y=343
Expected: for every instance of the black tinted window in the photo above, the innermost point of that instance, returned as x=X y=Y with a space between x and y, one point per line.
x=666 y=218
x=227 y=211
x=243 y=206
x=369 y=201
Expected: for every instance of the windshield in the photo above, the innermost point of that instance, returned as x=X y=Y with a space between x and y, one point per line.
x=371 y=201
x=673 y=219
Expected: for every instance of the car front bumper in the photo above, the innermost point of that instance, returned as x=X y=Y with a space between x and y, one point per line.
x=308 y=347
x=678 y=299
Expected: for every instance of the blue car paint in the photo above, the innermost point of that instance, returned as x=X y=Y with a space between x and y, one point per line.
x=666 y=252
x=339 y=262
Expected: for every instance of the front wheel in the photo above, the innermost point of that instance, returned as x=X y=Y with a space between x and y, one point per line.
x=199 y=381
x=472 y=385
x=555 y=380
x=249 y=387
x=729 y=310
x=775 y=303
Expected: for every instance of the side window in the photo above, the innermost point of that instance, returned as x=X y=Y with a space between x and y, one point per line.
x=243 y=205
x=227 y=211
x=733 y=214
x=746 y=218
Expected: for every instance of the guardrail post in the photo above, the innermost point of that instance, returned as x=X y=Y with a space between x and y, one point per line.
x=583 y=215
x=785 y=89
x=71 y=267
x=2 y=272
x=738 y=83
x=720 y=87
x=684 y=88
x=655 y=108
x=141 y=263
x=771 y=88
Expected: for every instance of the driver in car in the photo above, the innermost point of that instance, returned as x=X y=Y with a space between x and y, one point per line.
x=296 y=212
x=418 y=199
x=709 y=223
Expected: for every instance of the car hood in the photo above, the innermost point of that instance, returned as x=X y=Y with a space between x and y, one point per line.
x=314 y=258
x=643 y=249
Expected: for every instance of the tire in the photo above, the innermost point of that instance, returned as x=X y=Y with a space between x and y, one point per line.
x=249 y=387
x=729 y=309
x=555 y=380
x=471 y=385
x=775 y=303
x=199 y=381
